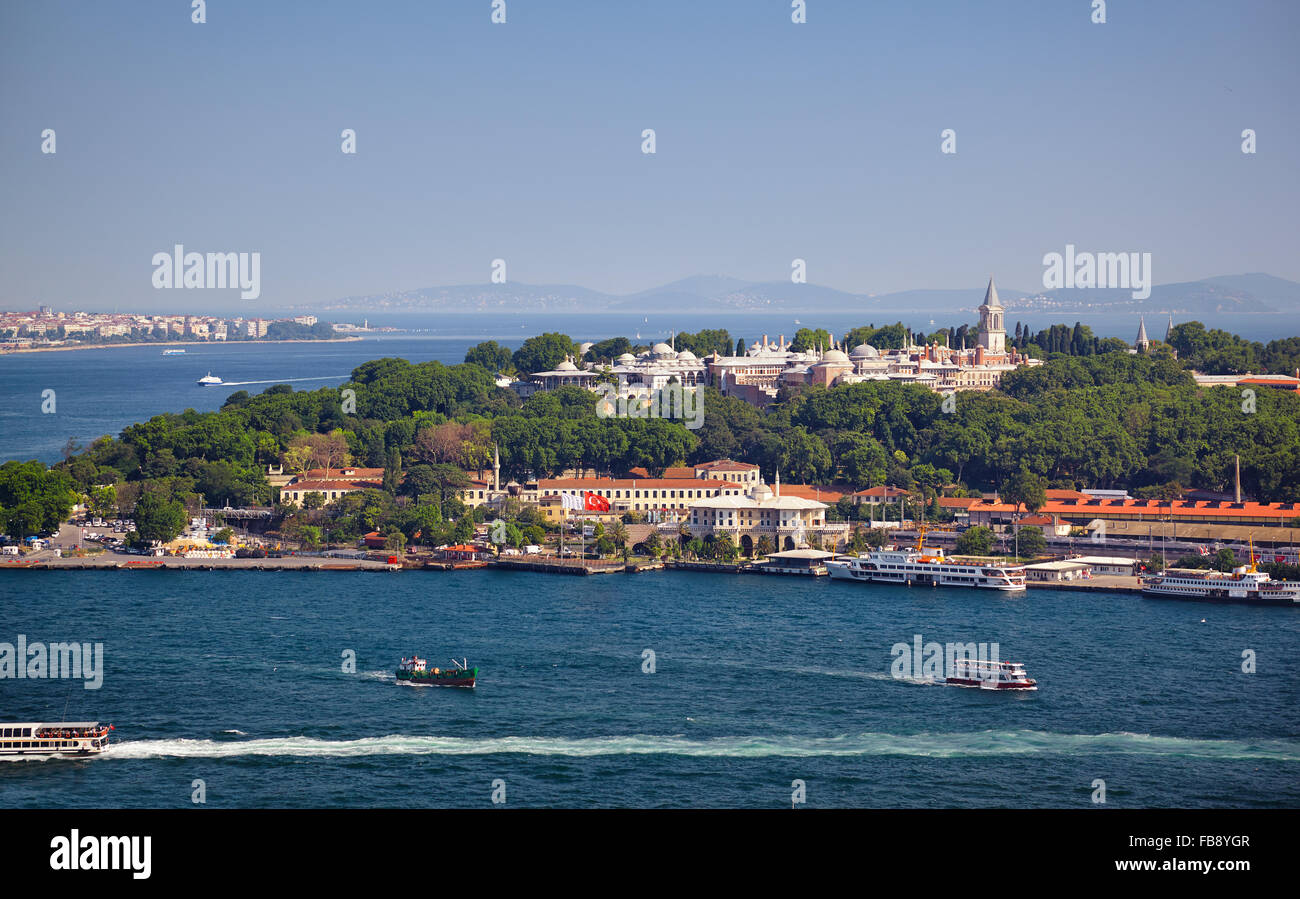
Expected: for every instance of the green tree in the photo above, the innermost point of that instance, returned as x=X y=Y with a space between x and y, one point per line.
x=33 y=499
x=1026 y=489
x=1030 y=541
x=392 y=470
x=975 y=541
x=543 y=353
x=1225 y=559
x=654 y=546
x=102 y=501
x=490 y=355
x=159 y=518
x=805 y=457
x=809 y=338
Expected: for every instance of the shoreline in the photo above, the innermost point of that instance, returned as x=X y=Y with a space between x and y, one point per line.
x=152 y=343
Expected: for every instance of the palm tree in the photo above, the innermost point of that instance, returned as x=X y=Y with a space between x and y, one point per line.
x=619 y=534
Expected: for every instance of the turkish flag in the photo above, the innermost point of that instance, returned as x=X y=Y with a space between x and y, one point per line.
x=596 y=503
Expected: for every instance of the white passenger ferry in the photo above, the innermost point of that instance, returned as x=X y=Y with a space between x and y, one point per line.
x=70 y=738
x=921 y=568
x=990 y=675
x=1243 y=584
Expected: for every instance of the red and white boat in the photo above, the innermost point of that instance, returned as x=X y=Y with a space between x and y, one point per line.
x=990 y=675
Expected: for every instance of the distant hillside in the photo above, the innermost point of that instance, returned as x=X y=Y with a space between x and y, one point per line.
x=1257 y=292
x=1247 y=293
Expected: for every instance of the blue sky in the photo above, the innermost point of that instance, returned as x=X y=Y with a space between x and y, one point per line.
x=522 y=141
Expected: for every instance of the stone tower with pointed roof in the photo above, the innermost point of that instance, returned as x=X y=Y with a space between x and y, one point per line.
x=993 y=332
x=1142 y=344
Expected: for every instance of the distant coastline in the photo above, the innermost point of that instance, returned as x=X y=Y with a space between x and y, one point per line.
x=147 y=343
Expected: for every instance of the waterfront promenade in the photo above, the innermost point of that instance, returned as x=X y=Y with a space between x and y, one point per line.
x=544 y=564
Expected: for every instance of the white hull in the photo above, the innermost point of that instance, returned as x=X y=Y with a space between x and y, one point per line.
x=923 y=576
x=1244 y=586
x=82 y=738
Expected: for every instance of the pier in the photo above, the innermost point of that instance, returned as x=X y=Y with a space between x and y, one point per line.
x=556 y=565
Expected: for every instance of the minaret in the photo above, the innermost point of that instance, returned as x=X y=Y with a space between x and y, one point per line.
x=496 y=468
x=993 y=333
x=1142 y=344
x=1169 y=331
x=776 y=489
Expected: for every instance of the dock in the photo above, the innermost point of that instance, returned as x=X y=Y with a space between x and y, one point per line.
x=556 y=565
x=176 y=563
x=1102 y=583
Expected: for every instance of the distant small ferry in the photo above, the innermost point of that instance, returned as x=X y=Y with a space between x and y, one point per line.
x=990 y=675
x=416 y=672
x=209 y=380
x=71 y=738
x=173 y=352
x=916 y=566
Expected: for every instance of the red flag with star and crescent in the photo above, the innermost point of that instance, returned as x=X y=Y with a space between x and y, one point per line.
x=595 y=503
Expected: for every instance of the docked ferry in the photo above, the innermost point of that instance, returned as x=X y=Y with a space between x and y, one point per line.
x=1243 y=584
x=69 y=738
x=416 y=672
x=923 y=568
x=990 y=675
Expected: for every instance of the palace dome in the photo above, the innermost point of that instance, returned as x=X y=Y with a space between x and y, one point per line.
x=864 y=351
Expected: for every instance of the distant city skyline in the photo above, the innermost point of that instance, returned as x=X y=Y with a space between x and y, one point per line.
x=523 y=142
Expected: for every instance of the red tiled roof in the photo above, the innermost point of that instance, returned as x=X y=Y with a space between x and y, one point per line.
x=343 y=471
x=813 y=492
x=625 y=483
x=1154 y=508
x=958 y=502
x=331 y=485
x=1279 y=383
x=676 y=472
x=726 y=465
x=884 y=492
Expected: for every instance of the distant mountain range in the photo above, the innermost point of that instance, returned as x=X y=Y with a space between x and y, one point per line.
x=1257 y=292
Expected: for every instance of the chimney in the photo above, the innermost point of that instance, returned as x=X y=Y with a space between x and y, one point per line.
x=1237 y=492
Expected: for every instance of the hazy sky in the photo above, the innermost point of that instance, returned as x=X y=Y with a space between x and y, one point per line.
x=523 y=141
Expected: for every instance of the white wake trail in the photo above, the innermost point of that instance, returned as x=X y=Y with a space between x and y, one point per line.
x=936 y=745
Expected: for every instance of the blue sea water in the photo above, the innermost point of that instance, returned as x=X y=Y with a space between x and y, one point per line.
x=236 y=678
x=101 y=391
